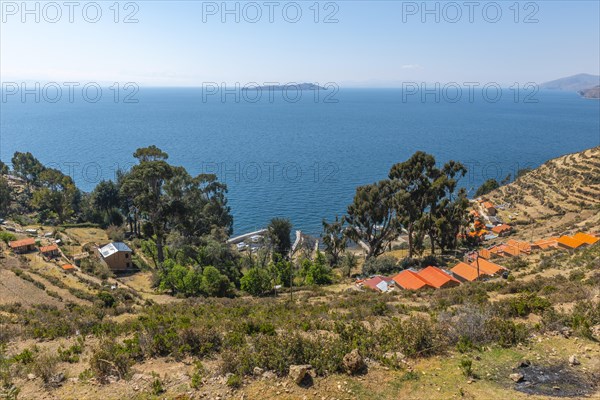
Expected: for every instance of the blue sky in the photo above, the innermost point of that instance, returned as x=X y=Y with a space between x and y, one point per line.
x=375 y=43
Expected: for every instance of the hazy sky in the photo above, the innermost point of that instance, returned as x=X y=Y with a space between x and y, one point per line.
x=374 y=43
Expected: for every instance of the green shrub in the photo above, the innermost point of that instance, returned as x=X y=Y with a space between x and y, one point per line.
x=110 y=359
x=256 y=281
x=234 y=381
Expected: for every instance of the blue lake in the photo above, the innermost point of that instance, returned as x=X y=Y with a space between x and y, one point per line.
x=304 y=159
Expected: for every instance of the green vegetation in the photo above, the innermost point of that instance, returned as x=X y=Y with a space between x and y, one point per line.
x=486 y=187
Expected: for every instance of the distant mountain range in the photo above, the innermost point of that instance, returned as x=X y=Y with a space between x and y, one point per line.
x=593 y=93
x=573 y=83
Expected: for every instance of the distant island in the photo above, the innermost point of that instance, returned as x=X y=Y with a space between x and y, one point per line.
x=300 y=86
x=592 y=93
x=573 y=83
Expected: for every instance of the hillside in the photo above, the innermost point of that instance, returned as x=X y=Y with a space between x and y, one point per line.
x=593 y=93
x=573 y=83
x=561 y=195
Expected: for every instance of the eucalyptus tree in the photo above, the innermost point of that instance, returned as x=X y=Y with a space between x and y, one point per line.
x=334 y=239
x=371 y=217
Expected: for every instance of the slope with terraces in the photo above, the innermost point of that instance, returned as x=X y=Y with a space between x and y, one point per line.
x=560 y=196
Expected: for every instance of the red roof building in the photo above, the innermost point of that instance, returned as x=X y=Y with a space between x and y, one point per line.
x=411 y=280
x=23 y=245
x=502 y=230
x=438 y=278
x=465 y=272
x=585 y=238
x=570 y=243
x=487 y=267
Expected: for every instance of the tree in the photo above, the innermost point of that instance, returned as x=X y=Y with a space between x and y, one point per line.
x=318 y=272
x=334 y=239
x=371 y=217
x=5 y=197
x=214 y=283
x=349 y=262
x=281 y=269
x=422 y=191
x=381 y=265
x=486 y=187
x=278 y=232
x=57 y=194
x=144 y=185
x=256 y=281
x=3 y=168
x=27 y=166
x=105 y=197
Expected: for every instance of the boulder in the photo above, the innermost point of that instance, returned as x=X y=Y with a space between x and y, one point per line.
x=298 y=373
x=258 y=371
x=573 y=360
x=566 y=332
x=353 y=362
x=595 y=332
x=517 y=377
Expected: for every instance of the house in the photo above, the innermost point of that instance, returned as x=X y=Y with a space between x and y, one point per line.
x=438 y=278
x=570 y=243
x=487 y=267
x=524 y=247
x=545 y=244
x=117 y=255
x=489 y=208
x=465 y=272
x=378 y=283
x=68 y=268
x=410 y=280
x=509 y=251
x=585 y=238
x=502 y=230
x=23 y=245
x=50 y=251
x=485 y=253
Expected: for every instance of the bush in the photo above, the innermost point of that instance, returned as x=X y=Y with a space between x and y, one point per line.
x=45 y=366
x=505 y=332
x=110 y=359
x=7 y=237
x=383 y=265
x=256 y=281
x=234 y=381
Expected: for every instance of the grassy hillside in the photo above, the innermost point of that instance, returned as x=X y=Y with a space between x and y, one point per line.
x=561 y=195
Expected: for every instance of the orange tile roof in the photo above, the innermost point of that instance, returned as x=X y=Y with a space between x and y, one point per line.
x=68 y=267
x=436 y=277
x=466 y=271
x=20 y=243
x=585 y=238
x=47 y=249
x=510 y=250
x=502 y=228
x=487 y=267
x=410 y=280
x=570 y=242
x=485 y=253
x=522 y=246
x=546 y=243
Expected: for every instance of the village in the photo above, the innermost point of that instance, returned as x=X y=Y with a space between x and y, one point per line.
x=479 y=265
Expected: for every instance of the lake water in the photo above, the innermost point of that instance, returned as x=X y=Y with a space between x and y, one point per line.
x=304 y=159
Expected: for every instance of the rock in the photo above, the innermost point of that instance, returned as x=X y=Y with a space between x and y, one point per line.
x=30 y=377
x=595 y=332
x=269 y=375
x=523 y=363
x=566 y=332
x=353 y=362
x=298 y=372
x=57 y=379
x=258 y=371
x=399 y=356
x=517 y=377
x=573 y=360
